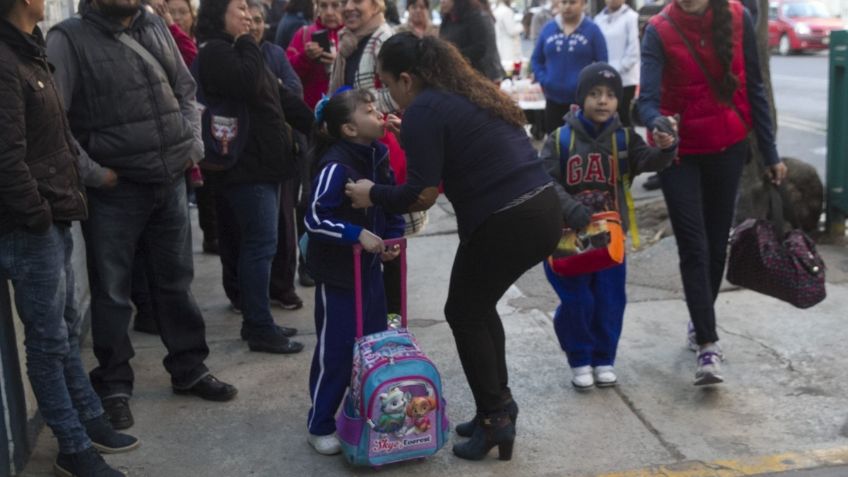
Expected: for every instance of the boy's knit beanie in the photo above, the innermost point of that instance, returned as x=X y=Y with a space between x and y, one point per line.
x=598 y=74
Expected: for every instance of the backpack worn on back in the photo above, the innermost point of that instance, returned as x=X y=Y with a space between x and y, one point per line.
x=565 y=143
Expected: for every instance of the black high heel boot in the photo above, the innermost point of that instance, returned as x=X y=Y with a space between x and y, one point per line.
x=466 y=429
x=495 y=429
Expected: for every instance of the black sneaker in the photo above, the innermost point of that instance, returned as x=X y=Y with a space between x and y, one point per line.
x=118 y=411
x=279 y=330
x=273 y=343
x=106 y=440
x=210 y=389
x=87 y=463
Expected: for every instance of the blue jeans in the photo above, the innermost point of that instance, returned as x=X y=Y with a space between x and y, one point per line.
x=39 y=266
x=247 y=241
x=588 y=321
x=157 y=216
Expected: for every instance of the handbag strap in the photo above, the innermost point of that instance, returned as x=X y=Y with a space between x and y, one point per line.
x=695 y=56
x=145 y=55
x=781 y=211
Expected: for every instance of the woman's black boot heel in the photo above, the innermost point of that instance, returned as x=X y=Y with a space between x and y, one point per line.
x=492 y=430
x=466 y=429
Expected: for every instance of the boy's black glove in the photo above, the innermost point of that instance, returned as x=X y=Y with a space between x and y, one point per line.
x=577 y=217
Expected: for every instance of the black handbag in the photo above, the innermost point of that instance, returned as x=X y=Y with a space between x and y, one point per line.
x=783 y=265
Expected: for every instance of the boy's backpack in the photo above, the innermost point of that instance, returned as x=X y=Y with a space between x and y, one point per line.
x=565 y=142
x=224 y=125
x=394 y=410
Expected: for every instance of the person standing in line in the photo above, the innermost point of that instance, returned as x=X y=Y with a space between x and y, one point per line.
x=230 y=65
x=461 y=130
x=620 y=25
x=719 y=97
x=567 y=44
x=284 y=267
x=40 y=196
x=113 y=54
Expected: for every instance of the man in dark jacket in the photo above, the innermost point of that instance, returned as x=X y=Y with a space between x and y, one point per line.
x=39 y=198
x=130 y=102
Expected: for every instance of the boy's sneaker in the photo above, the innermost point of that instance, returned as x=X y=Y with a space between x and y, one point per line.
x=605 y=377
x=691 y=338
x=325 y=445
x=105 y=439
x=582 y=379
x=87 y=463
x=709 y=366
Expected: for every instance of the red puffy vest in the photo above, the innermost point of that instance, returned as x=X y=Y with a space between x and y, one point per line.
x=706 y=125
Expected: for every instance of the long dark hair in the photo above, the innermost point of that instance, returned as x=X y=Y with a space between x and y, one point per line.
x=210 y=18
x=438 y=64
x=461 y=8
x=723 y=41
x=334 y=114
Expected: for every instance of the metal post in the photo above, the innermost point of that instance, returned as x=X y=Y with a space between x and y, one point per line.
x=837 y=136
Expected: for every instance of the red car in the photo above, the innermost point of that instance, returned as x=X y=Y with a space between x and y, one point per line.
x=799 y=25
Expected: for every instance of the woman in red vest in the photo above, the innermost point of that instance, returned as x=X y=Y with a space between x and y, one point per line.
x=699 y=61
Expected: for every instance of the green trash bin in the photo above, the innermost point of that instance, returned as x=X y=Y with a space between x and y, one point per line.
x=837 y=135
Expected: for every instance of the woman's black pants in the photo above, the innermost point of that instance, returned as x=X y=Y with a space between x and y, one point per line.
x=505 y=246
x=700 y=191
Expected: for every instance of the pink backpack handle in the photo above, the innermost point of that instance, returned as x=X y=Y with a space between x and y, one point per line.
x=357 y=280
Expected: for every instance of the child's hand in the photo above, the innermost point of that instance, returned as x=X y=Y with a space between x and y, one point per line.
x=390 y=253
x=663 y=140
x=370 y=242
x=393 y=124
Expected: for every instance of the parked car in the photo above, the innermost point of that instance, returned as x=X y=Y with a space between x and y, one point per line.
x=800 y=25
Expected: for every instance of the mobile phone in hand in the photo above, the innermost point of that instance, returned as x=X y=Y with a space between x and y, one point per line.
x=322 y=37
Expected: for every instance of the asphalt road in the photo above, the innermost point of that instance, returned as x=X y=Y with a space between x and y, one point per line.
x=801 y=88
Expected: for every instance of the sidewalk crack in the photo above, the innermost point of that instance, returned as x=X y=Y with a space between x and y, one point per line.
x=668 y=446
x=784 y=361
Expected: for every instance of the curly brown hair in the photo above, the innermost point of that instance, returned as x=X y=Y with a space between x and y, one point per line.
x=438 y=64
x=723 y=41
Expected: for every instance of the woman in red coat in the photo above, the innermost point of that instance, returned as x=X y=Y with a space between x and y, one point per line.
x=309 y=60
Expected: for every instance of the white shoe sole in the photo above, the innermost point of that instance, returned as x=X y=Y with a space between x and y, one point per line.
x=707 y=379
x=606 y=384
x=333 y=451
x=578 y=387
x=116 y=450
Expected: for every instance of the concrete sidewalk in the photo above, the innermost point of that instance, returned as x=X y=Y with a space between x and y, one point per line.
x=783 y=407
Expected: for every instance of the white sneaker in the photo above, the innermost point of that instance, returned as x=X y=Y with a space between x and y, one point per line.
x=709 y=366
x=605 y=376
x=691 y=338
x=325 y=445
x=583 y=378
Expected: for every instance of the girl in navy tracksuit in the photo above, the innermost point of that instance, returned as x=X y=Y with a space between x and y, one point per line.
x=588 y=322
x=348 y=129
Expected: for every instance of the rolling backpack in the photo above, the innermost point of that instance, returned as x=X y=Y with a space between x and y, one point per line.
x=394 y=409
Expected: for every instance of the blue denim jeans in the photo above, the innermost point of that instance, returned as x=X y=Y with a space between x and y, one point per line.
x=39 y=266
x=247 y=242
x=157 y=216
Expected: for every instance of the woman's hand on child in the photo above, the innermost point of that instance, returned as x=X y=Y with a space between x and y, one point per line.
x=665 y=131
x=390 y=253
x=370 y=242
x=393 y=124
x=359 y=193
